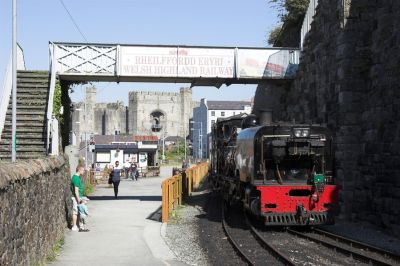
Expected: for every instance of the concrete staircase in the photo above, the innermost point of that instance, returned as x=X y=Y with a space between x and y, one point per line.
x=32 y=96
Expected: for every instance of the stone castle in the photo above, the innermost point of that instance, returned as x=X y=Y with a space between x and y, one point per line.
x=148 y=113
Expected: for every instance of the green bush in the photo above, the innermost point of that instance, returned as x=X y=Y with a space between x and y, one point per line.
x=88 y=189
x=291 y=14
x=57 y=104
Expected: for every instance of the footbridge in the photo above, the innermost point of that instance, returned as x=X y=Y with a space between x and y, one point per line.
x=197 y=65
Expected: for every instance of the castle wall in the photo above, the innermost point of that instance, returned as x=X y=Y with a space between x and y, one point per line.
x=110 y=117
x=106 y=118
x=176 y=109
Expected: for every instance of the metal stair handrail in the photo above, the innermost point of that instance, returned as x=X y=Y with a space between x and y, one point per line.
x=5 y=91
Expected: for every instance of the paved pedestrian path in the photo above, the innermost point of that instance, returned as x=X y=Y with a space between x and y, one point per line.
x=121 y=232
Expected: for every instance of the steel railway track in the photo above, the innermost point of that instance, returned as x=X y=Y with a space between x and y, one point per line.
x=275 y=252
x=357 y=250
x=268 y=253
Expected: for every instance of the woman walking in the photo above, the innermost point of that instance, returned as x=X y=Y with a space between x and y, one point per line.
x=116 y=177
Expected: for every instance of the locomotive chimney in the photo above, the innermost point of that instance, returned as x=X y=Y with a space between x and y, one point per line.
x=265 y=117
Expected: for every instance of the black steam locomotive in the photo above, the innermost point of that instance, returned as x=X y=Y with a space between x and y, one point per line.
x=282 y=173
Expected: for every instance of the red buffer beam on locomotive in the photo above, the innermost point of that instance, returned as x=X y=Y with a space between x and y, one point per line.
x=282 y=172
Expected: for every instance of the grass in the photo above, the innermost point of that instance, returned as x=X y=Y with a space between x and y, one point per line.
x=88 y=189
x=55 y=250
x=52 y=256
x=175 y=215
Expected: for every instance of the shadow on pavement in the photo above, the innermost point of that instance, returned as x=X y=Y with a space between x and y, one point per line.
x=156 y=215
x=141 y=198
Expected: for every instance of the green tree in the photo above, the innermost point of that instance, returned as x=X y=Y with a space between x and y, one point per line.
x=274 y=34
x=291 y=10
x=291 y=14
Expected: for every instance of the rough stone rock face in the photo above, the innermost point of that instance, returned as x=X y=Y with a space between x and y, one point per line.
x=349 y=79
x=34 y=205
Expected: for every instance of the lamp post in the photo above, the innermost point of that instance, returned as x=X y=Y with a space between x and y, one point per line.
x=14 y=83
x=184 y=139
x=198 y=142
x=200 y=136
x=84 y=132
x=163 y=143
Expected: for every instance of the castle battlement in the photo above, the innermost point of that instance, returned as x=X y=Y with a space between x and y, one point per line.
x=153 y=93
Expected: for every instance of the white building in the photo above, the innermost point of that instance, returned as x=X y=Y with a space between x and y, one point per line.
x=206 y=115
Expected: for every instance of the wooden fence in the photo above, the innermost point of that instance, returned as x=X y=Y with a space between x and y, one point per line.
x=175 y=187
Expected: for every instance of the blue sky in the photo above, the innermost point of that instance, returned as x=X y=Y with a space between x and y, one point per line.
x=176 y=22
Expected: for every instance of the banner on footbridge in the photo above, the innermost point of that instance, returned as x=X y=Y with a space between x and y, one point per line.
x=188 y=64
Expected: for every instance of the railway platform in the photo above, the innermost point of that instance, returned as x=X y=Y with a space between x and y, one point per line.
x=123 y=231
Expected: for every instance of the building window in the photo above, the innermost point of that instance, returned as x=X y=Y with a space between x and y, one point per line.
x=222 y=113
x=212 y=122
x=212 y=113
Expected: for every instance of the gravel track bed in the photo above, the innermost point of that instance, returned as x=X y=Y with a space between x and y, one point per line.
x=365 y=233
x=348 y=247
x=305 y=252
x=182 y=237
x=196 y=237
x=212 y=236
x=241 y=234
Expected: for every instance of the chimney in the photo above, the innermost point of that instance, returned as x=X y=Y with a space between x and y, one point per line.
x=265 y=117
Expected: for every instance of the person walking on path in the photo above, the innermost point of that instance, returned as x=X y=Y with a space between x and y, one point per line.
x=77 y=194
x=127 y=165
x=116 y=177
x=133 y=171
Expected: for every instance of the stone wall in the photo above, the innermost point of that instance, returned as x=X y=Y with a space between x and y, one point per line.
x=348 y=79
x=34 y=198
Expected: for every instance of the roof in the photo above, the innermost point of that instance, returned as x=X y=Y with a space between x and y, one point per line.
x=174 y=138
x=131 y=148
x=145 y=138
x=227 y=105
x=233 y=117
x=107 y=139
